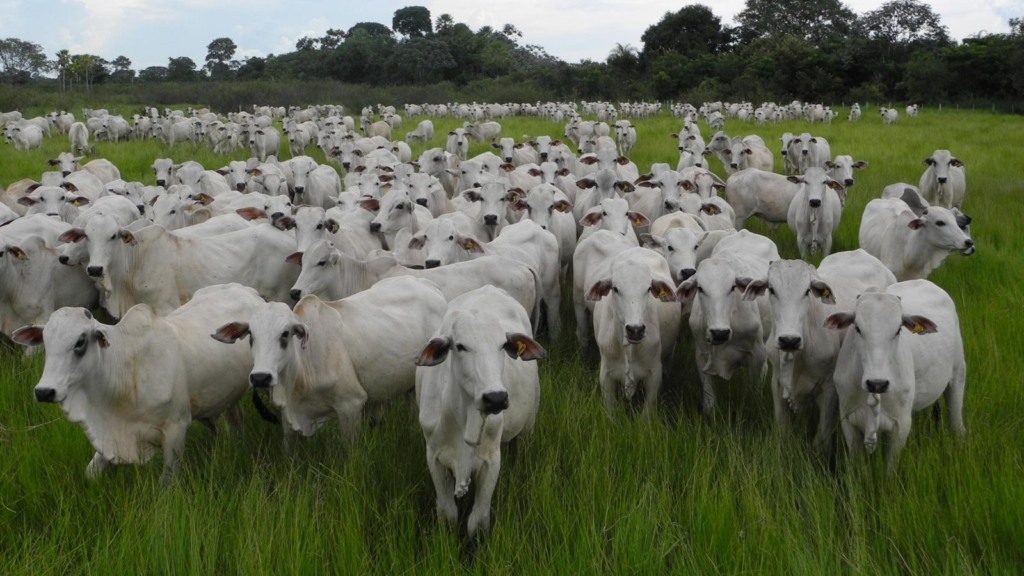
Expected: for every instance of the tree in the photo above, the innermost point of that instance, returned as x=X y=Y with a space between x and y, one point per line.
x=815 y=21
x=420 y=61
x=904 y=22
x=153 y=74
x=122 y=69
x=62 y=63
x=412 y=21
x=444 y=24
x=218 y=54
x=372 y=29
x=181 y=69
x=625 y=59
x=20 y=60
x=692 y=31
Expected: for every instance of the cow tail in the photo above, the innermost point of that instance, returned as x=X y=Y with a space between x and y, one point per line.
x=264 y=411
x=535 y=315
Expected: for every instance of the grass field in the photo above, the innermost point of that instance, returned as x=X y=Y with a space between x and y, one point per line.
x=672 y=494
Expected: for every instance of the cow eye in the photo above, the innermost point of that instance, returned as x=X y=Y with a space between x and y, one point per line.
x=857 y=328
x=322 y=263
x=452 y=237
x=671 y=249
x=174 y=211
x=940 y=223
x=460 y=347
x=80 y=345
x=112 y=236
x=319 y=226
x=771 y=291
x=400 y=206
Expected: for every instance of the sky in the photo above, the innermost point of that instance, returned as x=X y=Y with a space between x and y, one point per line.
x=149 y=32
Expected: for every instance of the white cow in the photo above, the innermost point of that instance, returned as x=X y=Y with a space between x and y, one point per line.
x=943 y=182
x=841 y=170
x=727 y=328
x=458 y=144
x=748 y=152
x=78 y=135
x=754 y=192
x=802 y=351
x=625 y=136
x=814 y=151
x=424 y=132
x=905 y=352
x=135 y=387
x=636 y=322
x=912 y=240
x=814 y=212
x=315 y=184
x=476 y=389
x=547 y=206
x=264 y=142
x=329 y=359
x=889 y=115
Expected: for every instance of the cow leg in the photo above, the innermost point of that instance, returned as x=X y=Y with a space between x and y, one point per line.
x=583 y=325
x=708 y=401
x=854 y=441
x=652 y=387
x=609 y=381
x=174 y=445
x=828 y=411
x=898 y=439
x=782 y=413
x=954 y=395
x=234 y=419
x=487 y=480
x=350 y=419
x=444 y=488
x=553 y=305
x=97 y=466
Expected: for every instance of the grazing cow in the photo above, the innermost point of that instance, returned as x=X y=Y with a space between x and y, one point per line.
x=801 y=350
x=483 y=131
x=904 y=352
x=814 y=212
x=329 y=359
x=636 y=322
x=476 y=389
x=911 y=239
x=943 y=182
x=78 y=135
x=136 y=386
x=424 y=132
x=728 y=328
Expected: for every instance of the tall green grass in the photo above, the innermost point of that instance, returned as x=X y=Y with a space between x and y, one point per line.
x=584 y=494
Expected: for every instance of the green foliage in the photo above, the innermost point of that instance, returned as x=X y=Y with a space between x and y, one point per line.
x=181 y=69
x=412 y=21
x=815 y=21
x=692 y=31
x=20 y=60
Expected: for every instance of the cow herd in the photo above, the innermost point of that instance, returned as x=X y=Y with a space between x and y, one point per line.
x=340 y=286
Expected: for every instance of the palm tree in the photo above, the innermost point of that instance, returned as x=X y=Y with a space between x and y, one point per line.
x=63 y=61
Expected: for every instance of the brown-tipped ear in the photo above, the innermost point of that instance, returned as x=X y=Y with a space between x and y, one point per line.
x=563 y=206
x=231 y=332
x=956 y=162
x=624 y=186
x=638 y=219
x=283 y=223
x=101 y=338
x=795 y=179
x=28 y=335
x=663 y=291
x=517 y=203
x=52 y=162
x=471 y=195
x=294 y=258
x=710 y=209
x=435 y=352
x=585 y=183
x=915 y=224
x=17 y=252
x=370 y=204
x=78 y=201
x=127 y=237
x=332 y=225
x=27 y=201
x=919 y=324
x=251 y=213
x=928 y=162
x=754 y=289
x=839 y=320
x=71 y=236
x=599 y=290
x=300 y=332
x=588 y=160
x=590 y=218
x=823 y=292
x=686 y=290
x=203 y=198
x=417 y=242
x=535 y=172
x=523 y=347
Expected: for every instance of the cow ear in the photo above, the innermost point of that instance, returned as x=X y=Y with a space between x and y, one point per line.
x=300 y=332
x=231 y=332
x=435 y=352
x=956 y=162
x=651 y=241
x=251 y=213
x=101 y=338
x=585 y=183
x=860 y=165
x=822 y=291
x=839 y=320
x=588 y=160
x=17 y=252
x=928 y=162
x=915 y=224
x=471 y=195
x=417 y=242
x=710 y=209
x=563 y=206
x=127 y=237
x=686 y=290
x=663 y=291
x=795 y=179
x=370 y=204
x=332 y=225
x=638 y=219
x=294 y=258
x=52 y=162
x=469 y=244
x=27 y=201
x=564 y=172
x=203 y=198
x=919 y=324
x=71 y=236
x=688 y=185
x=518 y=203
x=523 y=347
x=28 y=335
x=599 y=290
x=535 y=172
x=284 y=223
x=624 y=186
x=754 y=288
x=591 y=218
x=836 y=186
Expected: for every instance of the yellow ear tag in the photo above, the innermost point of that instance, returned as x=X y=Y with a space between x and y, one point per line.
x=470 y=245
x=826 y=293
x=19 y=255
x=662 y=294
x=76 y=203
x=917 y=329
x=520 y=348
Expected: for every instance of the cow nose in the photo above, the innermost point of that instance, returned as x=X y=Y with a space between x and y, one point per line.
x=260 y=379
x=94 y=271
x=635 y=332
x=345 y=165
x=720 y=335
x=494 y=402
x=543 y=155
x=508 y=159
x=848 y=182
x=63 y=259
x=876 y=386
x=803 y=152
x=65 y=173
x=374 y=227
x=161 y=183
x=734 y=165
x=295 y=293
x=300 y=189
x=240 y=186
x=941 y=180
x=422 y=202
x=685 y=273
x=45 y=395
x=141 y=208
x=815 y=203
x=432 y=263
x=491 y=220
x=790 y=343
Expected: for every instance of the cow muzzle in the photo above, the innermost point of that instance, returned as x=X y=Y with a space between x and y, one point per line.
x=635 y=332
x=260 y=379
x=717 y=336
x=490 y=220
x=790 y=343
x=815 y=203
x=876 y=386
x=48 y=395
x=295 y=294
x=432 y=263
x=94 y=271
x=494 y=402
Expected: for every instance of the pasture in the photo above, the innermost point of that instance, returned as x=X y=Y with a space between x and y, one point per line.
x=675 y=493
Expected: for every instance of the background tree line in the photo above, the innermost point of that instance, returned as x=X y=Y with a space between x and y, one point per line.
x=781 y=49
